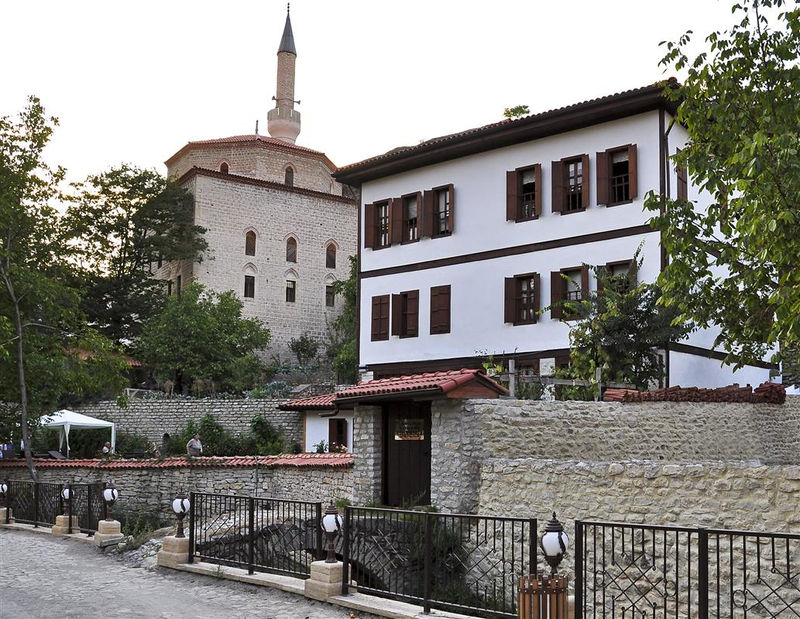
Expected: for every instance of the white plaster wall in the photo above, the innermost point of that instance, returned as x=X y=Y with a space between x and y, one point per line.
x=691 y=370
x=317 y=428
x=480 y=193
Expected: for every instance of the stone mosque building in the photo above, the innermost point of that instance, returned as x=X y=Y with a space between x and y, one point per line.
x=279 y=227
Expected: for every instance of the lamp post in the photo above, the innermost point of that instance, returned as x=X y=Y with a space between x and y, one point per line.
x=7 y=500
x=331 y=524
x=110 y=495
x=66 y=494
x=554 y=543
x=181 y=507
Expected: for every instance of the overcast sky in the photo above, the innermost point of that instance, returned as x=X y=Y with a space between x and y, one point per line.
x=134 y=81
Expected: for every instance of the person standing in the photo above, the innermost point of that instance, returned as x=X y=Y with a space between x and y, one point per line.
x=194 y=447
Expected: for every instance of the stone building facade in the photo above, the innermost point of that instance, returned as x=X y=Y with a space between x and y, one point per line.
x=279 y=228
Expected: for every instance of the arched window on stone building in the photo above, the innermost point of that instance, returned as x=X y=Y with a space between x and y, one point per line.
x=291 y=250
x=288 y=177
x=330 y=256
x=250 y=243
x=223 y=167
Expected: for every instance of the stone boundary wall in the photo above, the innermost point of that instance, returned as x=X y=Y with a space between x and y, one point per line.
x=152 y=489
x=154 y=418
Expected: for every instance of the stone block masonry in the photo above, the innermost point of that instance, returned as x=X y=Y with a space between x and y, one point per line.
x=154 y=418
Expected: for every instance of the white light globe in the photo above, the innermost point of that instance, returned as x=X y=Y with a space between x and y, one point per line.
x=180 y=506
x=3 y=488
x=551 y=544
x=110 y=494
x=331 y=523
x=65 y=494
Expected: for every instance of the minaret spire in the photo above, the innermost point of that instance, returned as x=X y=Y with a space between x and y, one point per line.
x=283 y=122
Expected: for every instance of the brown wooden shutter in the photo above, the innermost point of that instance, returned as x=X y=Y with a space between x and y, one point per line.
x=538 y=196
x=512 y=195
x=369 y=226
x=584 y=282
x=396 y=221
x=585 y=182
x=427 y=212
x=510 y=300
x=440 y=309
x=412 y=313
x=435 y=303
x=632 y=171
x=537 y=293
x=397 y=313
x=557 y=186
x=556 y=293
x=376 y=318
x=451 y=223
x=603 y=178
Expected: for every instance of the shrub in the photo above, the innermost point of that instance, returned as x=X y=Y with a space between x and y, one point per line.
x=305 y=348
x=262 y=439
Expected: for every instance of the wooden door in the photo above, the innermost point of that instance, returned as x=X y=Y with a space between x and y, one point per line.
x=407 y=449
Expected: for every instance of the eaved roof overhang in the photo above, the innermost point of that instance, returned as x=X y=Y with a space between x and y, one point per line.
x=510 y=132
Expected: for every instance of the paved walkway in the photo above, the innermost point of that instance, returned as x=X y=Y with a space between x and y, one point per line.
x=44 y=577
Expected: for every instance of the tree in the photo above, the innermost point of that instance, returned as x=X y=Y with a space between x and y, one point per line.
x=128 y=219
x=47 y=348
x=201 y=335
x=516 y=112
x=342 y=331
x=733 y=263
x=619 y=329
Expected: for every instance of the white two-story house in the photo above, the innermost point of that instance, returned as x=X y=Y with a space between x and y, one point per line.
x=463 y=239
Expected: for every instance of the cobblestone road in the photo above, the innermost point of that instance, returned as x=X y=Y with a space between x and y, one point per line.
x=41 y=576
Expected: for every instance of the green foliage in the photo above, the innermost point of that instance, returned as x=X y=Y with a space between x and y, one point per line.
x=516 y=111
x=267 y=439
x=734 y=262
x=305 y=348
x=126 y=218
x=619 y=330
x=268 y=391
x=202 y=335
x=139 y=526
x=341 y=344
x=262 y=440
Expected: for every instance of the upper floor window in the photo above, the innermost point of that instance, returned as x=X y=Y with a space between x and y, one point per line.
x=250 y=243
x=522 y=299
x=330 y=256
x=442 y=211
x=288 y=176
x=380 y=318
x=291 y=250
x=569 y=185
x=291 y=290
x=249 y=286
x=621 y=276
x=570 y=286
x=440 y=310
x=330 y=296
x=617 y=175
x=410 y=218
x=405 y=313
x=223 y=167
x=524 y=193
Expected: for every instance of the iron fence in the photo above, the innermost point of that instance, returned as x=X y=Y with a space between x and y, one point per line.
x=448 y=561
x=625 y=570
x=259 y=534
x=87 y=506
x=38 y=503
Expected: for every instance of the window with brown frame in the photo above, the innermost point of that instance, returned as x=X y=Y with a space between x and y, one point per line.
x=442 y=211
x=622 y=275
x=617 y=175
x=330 y=296
x=440 y=310
x=570 y=189
x=337 y=433
x=522 y=294
x=380 y=318
x=288 y=177
x=405 y=313
x=291 y=250
x=249 y=286
x=250 y=243
x=568 y=285
x=524 y=193
x=378 y=224
x=223 y=167
x=382 y=223
x=330 y=256
x=410 y=217
x=291 y=290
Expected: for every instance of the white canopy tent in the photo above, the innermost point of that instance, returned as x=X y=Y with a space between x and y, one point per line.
x=66 y=419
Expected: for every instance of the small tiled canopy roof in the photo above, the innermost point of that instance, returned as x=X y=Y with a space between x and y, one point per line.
x=766 y=393
x=318 y=402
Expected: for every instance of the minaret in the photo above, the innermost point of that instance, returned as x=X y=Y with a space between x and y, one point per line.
x=283 y=122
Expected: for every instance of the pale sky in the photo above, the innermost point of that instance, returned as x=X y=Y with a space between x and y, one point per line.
x=134 y=81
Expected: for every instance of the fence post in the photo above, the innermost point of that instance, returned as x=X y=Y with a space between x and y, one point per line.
x=105 y=505
x=319 y=532
x=512 y=377
x=69 y=510
x=702 y=574
x=346 y=553
x=191 y=526
x=578 y=569
x=89 y=531
x=251 y=535
x=9 y=502
x=36 y=504
x=426 y=600
x=533 y=559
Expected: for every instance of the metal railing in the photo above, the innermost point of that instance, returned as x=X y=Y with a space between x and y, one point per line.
x=625 y=570
x=448 y=561
x=257 y=534
x=38 y=503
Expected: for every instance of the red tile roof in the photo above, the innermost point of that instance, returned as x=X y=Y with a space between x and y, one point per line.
x=317 y=402
x=441 y=382
x=293 y=460
x=766 y=393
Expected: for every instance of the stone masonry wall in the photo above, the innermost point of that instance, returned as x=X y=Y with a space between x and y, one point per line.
x=153 y=418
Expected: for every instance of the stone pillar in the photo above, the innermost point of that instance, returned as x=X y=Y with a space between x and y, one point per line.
x=6 y=512
x=62 y=525
x=325 y=581
x=367 y=455
x=108 y=533
x=174 y=551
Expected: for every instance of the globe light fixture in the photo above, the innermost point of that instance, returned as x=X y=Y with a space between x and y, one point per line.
x=110 y=495
x=3 y=489
x=554 y=543
x=331 y=524
x=181 y=507
x=66 y=493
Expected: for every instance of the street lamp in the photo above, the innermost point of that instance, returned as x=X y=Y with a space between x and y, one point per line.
x=331 y=524
x=4 y=494
x=110 y=495
x=66 y=493
x=181 y=507
x=554 y=542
